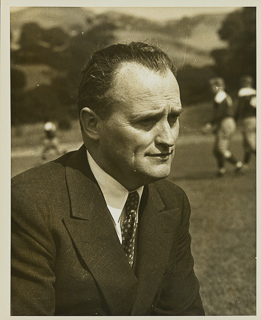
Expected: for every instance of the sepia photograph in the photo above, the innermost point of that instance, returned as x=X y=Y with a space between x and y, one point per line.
x=132 y=182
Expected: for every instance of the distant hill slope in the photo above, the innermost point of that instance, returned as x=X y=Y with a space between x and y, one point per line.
x=48 y=17
x=187 y=41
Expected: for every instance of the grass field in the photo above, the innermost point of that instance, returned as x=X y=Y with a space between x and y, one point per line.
x=223 y=220
x=223 y=228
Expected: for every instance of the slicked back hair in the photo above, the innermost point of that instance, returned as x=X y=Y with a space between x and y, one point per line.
x=98 y=74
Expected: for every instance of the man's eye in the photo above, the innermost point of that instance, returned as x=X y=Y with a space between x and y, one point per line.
x=148 y=122
x=145 y=124
x=172 y=119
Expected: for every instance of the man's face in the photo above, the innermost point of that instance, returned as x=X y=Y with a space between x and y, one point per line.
x=137 y=141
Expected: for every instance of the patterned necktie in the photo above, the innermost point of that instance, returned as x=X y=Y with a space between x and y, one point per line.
x=129 y=226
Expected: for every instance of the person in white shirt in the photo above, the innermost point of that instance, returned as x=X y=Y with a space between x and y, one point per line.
x=246 y=117
x=50 y=142
x=223 y=125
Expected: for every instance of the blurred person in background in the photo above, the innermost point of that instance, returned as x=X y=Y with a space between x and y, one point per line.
x=100 y=231
x=50 y=142
x=246 y=117
x=223 y=125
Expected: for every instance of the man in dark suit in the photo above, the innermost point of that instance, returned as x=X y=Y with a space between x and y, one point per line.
x=77 y=248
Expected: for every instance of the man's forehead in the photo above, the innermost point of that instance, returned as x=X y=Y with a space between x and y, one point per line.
x=136 y=69
x=142 y=89
x=132 y=76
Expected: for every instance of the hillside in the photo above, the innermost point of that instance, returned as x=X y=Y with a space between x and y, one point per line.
x=49 y=46
x=47 y=17
x=187 y=41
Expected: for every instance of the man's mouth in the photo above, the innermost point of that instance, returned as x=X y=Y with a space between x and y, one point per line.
x=161 y=154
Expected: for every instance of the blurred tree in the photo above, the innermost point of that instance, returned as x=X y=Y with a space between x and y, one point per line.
x=30 y=36
x=41 y=46
x=54 y=38
x=82 y=46
x=60 y=85
x=41 y=102
x=18 y=81
x=239 y=58
x=194 y=85
x=64 y=52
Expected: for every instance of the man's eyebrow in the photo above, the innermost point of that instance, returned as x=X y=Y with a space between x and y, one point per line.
x=156 y=113
x=177 y=111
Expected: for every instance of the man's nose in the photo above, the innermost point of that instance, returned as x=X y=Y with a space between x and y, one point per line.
x=167 y=135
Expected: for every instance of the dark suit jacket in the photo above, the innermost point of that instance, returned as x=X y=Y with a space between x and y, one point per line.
x=67 y=259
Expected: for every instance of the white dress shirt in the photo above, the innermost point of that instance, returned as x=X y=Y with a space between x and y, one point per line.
x=114 y=194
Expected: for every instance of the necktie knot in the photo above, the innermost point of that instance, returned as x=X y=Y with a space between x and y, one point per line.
x=129 y=225
x=132 y=203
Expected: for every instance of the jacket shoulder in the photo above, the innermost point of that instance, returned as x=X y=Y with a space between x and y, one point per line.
x=41 y=177
x=166 y=186
x=170 y=192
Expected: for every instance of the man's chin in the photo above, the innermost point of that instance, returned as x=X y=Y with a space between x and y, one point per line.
x=152 y=177
x=162 y=176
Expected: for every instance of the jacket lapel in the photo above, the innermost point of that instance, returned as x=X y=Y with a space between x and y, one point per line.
x=93 y=233
x=155 y=239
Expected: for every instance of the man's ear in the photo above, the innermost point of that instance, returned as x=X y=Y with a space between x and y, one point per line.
x=90 y=123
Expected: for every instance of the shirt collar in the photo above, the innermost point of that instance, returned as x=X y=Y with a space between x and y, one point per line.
x=220 y=96
x=114 y=193
x=246 y=92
